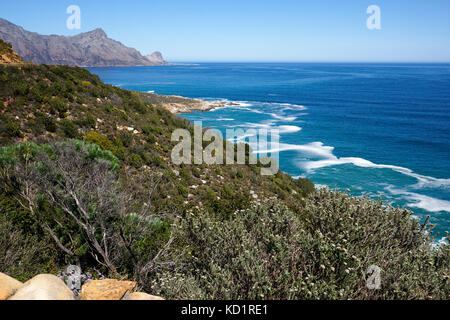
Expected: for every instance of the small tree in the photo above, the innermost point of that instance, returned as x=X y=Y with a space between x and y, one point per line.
x=79 y=179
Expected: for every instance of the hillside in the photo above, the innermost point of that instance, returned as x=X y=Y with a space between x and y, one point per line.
x=86 y=178
x=93 y=49
x=43 y=102
x=7 y=55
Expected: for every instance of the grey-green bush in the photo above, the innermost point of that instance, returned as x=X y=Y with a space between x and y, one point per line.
x=267 y=252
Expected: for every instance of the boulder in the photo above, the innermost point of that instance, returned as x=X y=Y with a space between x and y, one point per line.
x=43 y=287
x=142 y=296
x=109 y=289
x=8 y=286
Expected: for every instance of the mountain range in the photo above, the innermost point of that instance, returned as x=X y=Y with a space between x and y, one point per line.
x=89 y=49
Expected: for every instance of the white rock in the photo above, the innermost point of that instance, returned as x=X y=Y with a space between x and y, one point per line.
x=43 y=287
x=8 y=286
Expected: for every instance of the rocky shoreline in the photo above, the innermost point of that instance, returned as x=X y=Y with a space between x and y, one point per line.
x=50 y=287
x=195 y=105
x=178 y=104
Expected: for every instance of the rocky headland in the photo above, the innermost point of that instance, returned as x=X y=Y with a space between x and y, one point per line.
x=179 y=104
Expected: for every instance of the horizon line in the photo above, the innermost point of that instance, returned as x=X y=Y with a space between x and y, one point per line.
x=308 y=61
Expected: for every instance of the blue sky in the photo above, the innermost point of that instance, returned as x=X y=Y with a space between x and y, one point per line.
x=254 y=30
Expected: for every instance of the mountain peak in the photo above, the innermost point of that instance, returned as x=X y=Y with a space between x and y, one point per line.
x=99 y=33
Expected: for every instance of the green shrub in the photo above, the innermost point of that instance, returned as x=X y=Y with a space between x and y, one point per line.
x=305 y=185
x=100 y=140
x=69 y=129
x=89 y=121
x=135 y=160
x=147 y=130
x=43 y=121
x=150 y=139
x=58 y=105
x=24 y=254
x=158 y=161
x=19 y=88
x=126 y=138
x=12 y=129
x=36 y=94
x=152 y=129
x=182 y=190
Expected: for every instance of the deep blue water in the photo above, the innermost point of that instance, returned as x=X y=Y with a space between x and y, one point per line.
x=376 y=129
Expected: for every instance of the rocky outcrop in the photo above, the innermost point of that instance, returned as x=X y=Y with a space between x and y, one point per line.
x=50 y=287
x=43 y=287
x=93 y=49
x=8 y=286
x=156 y=58
x=179 y=104
x=196 y=105
x=109 y=289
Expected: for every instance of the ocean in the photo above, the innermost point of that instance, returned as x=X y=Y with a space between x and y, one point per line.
x=379 y=130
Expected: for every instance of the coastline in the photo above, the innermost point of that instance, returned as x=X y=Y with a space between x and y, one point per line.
x=179 y=104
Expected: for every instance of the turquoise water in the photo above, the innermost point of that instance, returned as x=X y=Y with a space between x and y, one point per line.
x=375 y=129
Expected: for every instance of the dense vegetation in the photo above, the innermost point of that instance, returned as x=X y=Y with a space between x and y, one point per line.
x=86 y=178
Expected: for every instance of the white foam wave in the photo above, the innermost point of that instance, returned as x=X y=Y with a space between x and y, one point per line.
x=251 y=110
x=243 y=103
x=331 y=160
x=313 y=149
x=291 y=106
x=421 y=201
x=282 y=118
x=288 y=129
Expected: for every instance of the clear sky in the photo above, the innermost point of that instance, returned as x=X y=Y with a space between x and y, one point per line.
x=254 y=30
